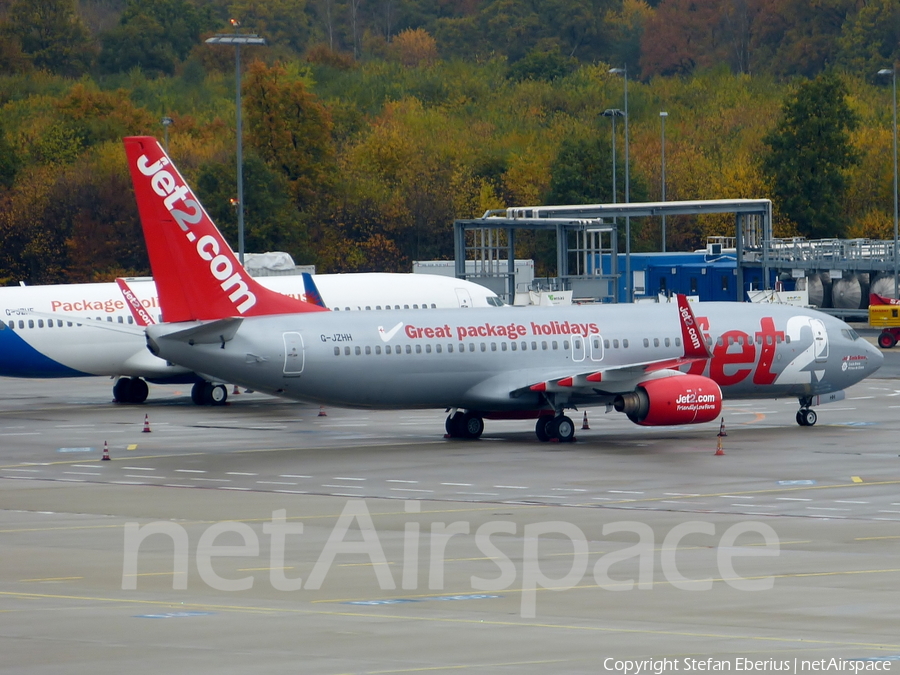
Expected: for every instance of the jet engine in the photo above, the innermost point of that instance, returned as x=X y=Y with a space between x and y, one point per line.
x=686 y=399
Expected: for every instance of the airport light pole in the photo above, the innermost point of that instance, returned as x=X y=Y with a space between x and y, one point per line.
x=613 y=113
x=629 y=291
x=893 y=73
x=662 y=119
x=166 y=122
x=237 y=39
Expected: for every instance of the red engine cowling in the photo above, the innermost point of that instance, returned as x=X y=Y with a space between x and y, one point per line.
x=688 y=399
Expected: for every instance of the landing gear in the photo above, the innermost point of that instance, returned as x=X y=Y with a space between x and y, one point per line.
x=464 y=425
x=130 y=390
x=207 y=393
x=559 y=428
x=806 y=417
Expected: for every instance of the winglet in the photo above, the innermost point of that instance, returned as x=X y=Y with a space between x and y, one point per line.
x=141 y=317
x=311 y=291
x=196 y=272
x=695 y=346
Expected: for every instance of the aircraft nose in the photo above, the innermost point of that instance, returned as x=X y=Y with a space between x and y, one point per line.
x=875 y=357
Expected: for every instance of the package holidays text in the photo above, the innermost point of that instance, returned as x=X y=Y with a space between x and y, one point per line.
x=511 y=331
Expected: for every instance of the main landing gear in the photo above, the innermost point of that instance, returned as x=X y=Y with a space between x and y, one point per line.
x=207 y=393
x=806 y=417
x=555 y=428
x=130 y=390
x=464 y=425
x=470 y=425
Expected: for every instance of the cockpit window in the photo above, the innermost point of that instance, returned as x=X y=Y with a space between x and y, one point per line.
x=849 y=333
x=495 y=302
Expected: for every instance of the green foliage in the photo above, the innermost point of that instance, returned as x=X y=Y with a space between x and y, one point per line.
x=52 y=35
x=809 y=152
x=154 y=35
x=271 y=220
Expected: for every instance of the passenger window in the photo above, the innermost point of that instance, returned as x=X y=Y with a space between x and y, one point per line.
x=415 y=307
x=387 y=350
x=624 y=344
x=346 y=351
x=405 y=306
x=433 y=306
x=778 y=339
x=543 y=345
x=40 y=323
x=493 y=346
x=418 y=349
x=719 y=341
x=646 y=342
x=438 y=349
x=358 y=351
x=768 y=340
x=427 y=349
x=514 y=346
x=596 y=343
x=377 y=306
x=656 y=342
x=337 y=351
x=130 y=320
x=377 y=350
x=502 y=346
x=121 y=320
x=606 y=344
x=483 y=347
x=368 y=351
x=787 y=339
x=668 y=343
x=22 y=324
x=615 y=344
x=408 y=349
x=472 y=347
x=449 y=349
x=554 y=344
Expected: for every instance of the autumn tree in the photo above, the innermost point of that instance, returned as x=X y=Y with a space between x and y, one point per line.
x=808 y=154
x=153 y=35
x=414 y=48
x=51 y=35
x=290 y=130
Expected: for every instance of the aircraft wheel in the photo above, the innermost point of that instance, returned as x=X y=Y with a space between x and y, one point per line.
x=540 y=429
x=801 y=419
x=198 y=393
x=139 y=390
x=886 y=340
x=215 y=394
x=562 y=428
x=122 y=390
x=809 y=417
x=471 y=425
x=453 y=425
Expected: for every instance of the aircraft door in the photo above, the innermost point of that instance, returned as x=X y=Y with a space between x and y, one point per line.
x=294 y=354
x=462 y=295
x=595 y=343
x=578 y=348
x=820 y=339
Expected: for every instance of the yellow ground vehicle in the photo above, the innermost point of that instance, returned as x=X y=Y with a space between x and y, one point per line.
x=884 y=313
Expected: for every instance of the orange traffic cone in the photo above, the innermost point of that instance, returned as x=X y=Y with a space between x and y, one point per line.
x=719 y=437
x=105 y=452
x=236 y=390
x=146 y=424
x=584 y=424
x=322 y=411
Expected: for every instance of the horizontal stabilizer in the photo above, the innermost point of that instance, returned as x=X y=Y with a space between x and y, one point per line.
x=213 y=332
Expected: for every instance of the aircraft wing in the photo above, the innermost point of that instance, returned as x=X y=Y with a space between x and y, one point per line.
x=624 y=377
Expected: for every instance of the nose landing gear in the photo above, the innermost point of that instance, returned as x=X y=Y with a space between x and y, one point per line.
x=806 y=417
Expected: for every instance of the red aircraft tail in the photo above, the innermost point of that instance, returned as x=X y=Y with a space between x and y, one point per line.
x=197 y=275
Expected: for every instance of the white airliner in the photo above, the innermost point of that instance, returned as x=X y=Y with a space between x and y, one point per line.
x=659 y=364
x=52 y=331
